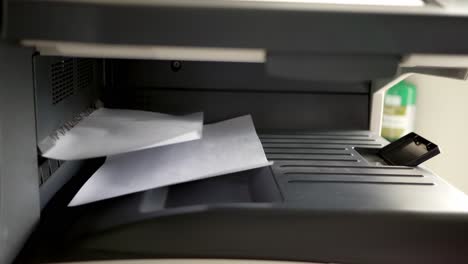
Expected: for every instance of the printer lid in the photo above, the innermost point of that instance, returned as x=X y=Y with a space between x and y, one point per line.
x=293 y=26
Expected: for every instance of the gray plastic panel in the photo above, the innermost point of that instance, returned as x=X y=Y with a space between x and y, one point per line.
x=19 y=187
x=325 y=170
x=280 y=29
x=364 y=237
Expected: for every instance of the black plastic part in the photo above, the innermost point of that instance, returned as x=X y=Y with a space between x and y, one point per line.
x=410 y=150
x=226 y=90
x=330 y=67
x=233 y=76
x=1 y=17
x=19 y=187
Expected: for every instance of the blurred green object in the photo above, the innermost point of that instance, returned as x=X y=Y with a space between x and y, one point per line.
x=399 y=111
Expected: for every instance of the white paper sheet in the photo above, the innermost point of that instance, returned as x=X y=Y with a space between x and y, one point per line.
x=226 y=147
x=115 y=131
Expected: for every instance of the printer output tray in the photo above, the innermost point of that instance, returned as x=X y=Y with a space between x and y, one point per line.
x=327 y=198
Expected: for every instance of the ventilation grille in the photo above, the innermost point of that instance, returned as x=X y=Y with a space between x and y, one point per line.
x=61 y=80
x=85 y=73
x=47 y=168
x=68 y=76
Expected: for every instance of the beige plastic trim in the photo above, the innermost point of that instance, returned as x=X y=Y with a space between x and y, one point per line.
x=433 y=7
x=376 y=3
x=436 y=61
x=95 y=50
x=371 y=6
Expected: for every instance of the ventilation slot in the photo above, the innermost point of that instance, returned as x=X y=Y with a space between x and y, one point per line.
x=85 y=73
x=272 y=143
x=350 y=174
x=330 y=159
x=326 y=171
x=304 y=166
x=296 y=139
x=62 y=80
x=47 y=168
x=361 y=182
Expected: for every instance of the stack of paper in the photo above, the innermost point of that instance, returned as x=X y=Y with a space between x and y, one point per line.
x=226 y=147
x=108 y=132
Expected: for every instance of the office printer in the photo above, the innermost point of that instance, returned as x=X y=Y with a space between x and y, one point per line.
x=311 y=74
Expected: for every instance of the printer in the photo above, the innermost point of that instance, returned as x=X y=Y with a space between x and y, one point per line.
x=311 y=73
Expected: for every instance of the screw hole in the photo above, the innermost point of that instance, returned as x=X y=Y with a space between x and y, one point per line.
x=176 y=66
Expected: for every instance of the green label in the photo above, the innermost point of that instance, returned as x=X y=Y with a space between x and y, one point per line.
x=406 y=91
